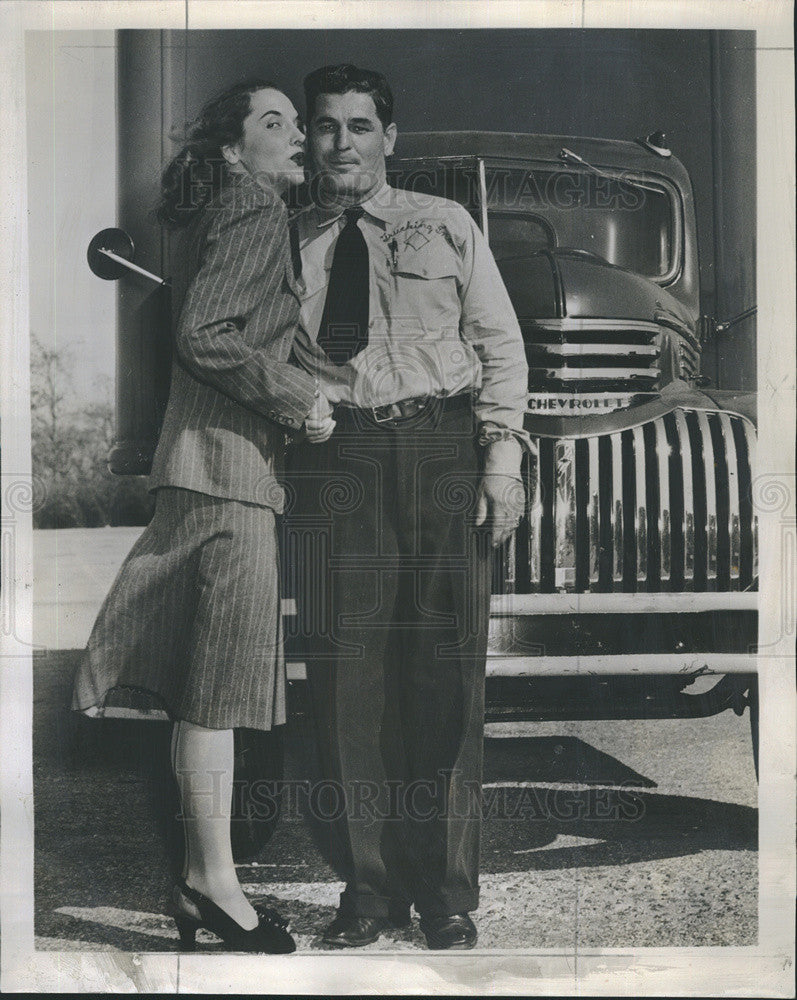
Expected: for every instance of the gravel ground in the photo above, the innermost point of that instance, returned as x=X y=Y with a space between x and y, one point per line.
x=665 y=857
x=599 y=834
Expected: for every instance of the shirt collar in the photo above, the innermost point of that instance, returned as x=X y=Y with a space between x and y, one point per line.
x=381 y=205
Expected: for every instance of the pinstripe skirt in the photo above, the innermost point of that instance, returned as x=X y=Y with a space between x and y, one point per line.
x=194 y=617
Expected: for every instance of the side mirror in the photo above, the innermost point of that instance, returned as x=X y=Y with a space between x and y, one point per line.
x=706 y=328
x=110 y=255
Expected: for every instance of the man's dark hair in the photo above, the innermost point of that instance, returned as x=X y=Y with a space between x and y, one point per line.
x=345 y=78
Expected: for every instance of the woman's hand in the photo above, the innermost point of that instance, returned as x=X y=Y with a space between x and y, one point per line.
x=319 y=425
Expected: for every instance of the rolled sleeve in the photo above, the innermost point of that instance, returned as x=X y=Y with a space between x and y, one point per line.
x=490 y=326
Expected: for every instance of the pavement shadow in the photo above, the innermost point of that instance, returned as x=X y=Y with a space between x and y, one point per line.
x=105 y=812
x=555 y=759
x=106 y=835
x=85 y=927
x=623 y=825
x=612 y=806
x=528 y=808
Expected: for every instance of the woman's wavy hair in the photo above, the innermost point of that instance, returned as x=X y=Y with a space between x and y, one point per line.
x=199 y=171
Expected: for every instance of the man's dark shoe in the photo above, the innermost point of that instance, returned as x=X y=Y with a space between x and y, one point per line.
x=456 y=931
x=354 y=932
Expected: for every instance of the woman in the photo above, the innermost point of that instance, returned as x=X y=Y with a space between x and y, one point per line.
x=194 y=615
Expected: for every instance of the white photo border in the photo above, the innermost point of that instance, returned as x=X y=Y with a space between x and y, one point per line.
x=763 y=970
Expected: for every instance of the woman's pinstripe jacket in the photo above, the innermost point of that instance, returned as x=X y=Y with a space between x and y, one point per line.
x=233 y=392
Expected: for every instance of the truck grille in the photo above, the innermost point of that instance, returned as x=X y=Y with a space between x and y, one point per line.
x=666 y=506
x=574 y=355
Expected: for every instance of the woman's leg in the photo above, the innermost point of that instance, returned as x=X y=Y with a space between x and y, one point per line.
x=202 y=762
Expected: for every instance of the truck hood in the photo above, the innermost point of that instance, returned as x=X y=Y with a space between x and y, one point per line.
x=576 y=284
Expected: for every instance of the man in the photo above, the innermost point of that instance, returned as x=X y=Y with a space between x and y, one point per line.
x=418 y=347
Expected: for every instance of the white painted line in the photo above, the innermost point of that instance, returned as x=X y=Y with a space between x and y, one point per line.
x=157 y=925
x=266 y=864
x=562 y=840
x=314 y=893
x=569 y=786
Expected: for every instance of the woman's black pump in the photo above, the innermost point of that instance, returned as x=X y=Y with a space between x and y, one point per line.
x=269 y=937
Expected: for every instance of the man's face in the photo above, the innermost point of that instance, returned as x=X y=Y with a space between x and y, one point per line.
x=348 y=145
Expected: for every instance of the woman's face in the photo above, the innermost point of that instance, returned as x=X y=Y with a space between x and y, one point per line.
x=272 y=146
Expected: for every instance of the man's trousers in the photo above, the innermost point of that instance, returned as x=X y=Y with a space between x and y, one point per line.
x=393 y=590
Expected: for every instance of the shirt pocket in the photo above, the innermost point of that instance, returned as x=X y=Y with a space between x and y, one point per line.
x=425 y=291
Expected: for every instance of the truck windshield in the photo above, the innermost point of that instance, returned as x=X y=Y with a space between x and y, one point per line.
x=542 y=208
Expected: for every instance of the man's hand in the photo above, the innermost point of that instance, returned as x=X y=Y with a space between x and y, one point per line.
x=501 y=499
x=500 y=505
x=319 y=425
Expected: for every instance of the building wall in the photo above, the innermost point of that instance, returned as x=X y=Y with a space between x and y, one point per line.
x=70 y=81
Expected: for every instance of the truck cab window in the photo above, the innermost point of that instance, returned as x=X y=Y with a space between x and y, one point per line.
x=627 y=225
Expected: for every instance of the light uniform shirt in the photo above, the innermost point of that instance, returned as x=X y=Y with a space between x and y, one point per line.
x=441 y=322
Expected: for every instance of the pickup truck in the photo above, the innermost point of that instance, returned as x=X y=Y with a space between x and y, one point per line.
x=630 y=587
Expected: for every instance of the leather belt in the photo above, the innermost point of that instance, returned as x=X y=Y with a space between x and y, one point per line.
x=394 y=414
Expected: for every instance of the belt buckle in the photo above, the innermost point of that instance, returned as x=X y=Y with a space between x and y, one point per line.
x=405 y=409
x=415 y=406
x=376 y=410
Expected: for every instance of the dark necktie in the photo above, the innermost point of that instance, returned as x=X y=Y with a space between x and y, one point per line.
x=296 y=254
x=344 y=323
